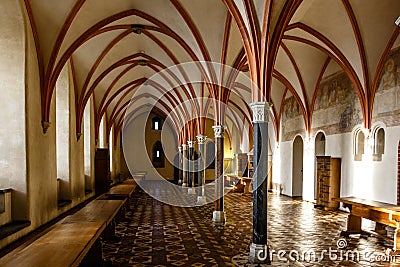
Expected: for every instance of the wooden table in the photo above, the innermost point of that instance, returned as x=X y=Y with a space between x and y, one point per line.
x=382 y=213
x=66 y=244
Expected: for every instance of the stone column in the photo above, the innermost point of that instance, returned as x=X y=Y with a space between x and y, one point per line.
x=201 y=140
x=219 y=214
x=180 y=165
x=191 y=189
x=184 y=165
x=259 y=252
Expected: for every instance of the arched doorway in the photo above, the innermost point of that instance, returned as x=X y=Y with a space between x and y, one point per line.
x=297 y=174
x=319 y=151
x=398 y=174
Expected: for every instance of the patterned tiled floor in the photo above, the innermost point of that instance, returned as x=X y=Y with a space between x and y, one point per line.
x=158 y=234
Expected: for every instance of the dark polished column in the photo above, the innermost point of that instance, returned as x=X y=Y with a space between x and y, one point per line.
x=259 y=252
x=191 y=189
x=201 y=198
x=184 y=165
x=219 y=214
x=180 y=165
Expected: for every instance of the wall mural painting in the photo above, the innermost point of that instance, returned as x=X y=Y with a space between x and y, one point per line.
x=293 y=122
x=387 y=97
x=336 y=109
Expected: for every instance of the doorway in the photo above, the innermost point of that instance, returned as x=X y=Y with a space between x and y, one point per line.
x=297 y=175
x=319 y=151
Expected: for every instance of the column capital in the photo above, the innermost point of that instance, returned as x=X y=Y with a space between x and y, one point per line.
x=184 y=147
x=218 y=131
x=201 y=139
x=191 y=143
x=260 y=111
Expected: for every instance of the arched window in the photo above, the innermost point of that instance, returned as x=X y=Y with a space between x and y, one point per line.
x=158 y=155
x=102 y=133
x=111 y=149
x=359 y=139
x=63 y=137
x=88 y=152
x=320 y=144
x=156 y=124
x=379 y=143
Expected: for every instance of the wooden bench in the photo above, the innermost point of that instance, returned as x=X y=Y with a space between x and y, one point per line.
x=100 y=211
x=123 y=190
x=73 y=241
x=66 y=244
x=382 y=213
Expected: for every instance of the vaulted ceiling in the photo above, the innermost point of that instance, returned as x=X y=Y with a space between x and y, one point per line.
x=114 y=47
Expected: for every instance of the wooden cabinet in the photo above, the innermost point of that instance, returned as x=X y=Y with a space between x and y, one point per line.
x=328 y=181
x=102 y=170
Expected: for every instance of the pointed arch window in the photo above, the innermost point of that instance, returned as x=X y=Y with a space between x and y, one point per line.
x=158 y=158
x=156 y=124
x=379 y=144
x=359 y=139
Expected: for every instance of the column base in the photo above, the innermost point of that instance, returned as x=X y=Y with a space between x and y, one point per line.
x=218 y=216
x=259 y=254
x=201 y=200
x=191 y=191
x=184 y=185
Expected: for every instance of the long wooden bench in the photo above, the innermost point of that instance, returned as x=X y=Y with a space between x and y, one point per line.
x=382 y=213
x=73 y=241
x=123 y=191
x=100 y=211
x=66 y=244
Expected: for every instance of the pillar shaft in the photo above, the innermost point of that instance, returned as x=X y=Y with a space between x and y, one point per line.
x=190 y=164
x=201 y=139
x=260 y=182
x=219 y=215
x=184 y=165
x=180 y=165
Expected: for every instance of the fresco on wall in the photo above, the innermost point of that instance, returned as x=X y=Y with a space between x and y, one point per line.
x=387 y=97
x=337 y=108
x=292 y=118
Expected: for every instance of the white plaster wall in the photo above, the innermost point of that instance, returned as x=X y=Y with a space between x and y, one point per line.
x=374 y=180
x=12 y=106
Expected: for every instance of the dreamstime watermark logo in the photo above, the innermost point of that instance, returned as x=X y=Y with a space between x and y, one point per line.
x=339 y=253
x=187 y=94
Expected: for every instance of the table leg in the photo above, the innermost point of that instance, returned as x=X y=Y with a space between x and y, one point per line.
x=380 y=228
x=353 y=225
